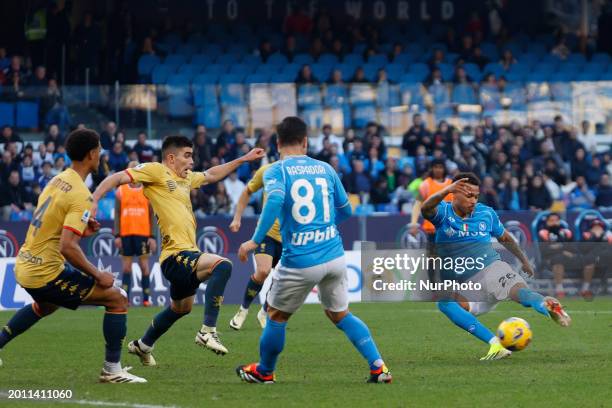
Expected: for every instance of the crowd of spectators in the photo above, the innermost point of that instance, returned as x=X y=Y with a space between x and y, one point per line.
x=532 y=167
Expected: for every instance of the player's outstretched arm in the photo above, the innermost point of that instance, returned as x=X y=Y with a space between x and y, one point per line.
x=508 y=241
x=71 y=250
x=221 y=171
x=109 y=183
x=243 y=201
x=429 y=207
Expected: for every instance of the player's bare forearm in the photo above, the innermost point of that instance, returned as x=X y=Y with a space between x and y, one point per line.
x=428 y=208
x=71 y=250
x=112 y=181
x=243 y=201
x=508 y=241
x=416 y=211
x=221 y=171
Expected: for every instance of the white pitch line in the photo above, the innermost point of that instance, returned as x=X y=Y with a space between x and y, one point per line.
x=93 y=402
x=513 y=311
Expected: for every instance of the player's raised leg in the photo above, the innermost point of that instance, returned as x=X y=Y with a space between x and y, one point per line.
x=546 y=305
x=114 y=328
x=263 y=264
x=216 y=271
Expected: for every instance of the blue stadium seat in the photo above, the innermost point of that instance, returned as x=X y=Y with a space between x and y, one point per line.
x=268 y=69
x=370 y=71
x=419 y=68
x=378 y=60
x=283 y=77
x=463 y=94
x=146 y=63
x=257 y=78
x=489 y=50
x=538 y=76
x=550 y=59
x=227 y=59
x=200 y=60
x=414 y=48
x=190 y=70
x=536 y=48
x=309 y=95
x=179 y=80
x=7 y=114
x=353 y=59
x=443 y=111
x=348 y=70
x=292 y=69
x=363 y=114
x=302 y=59
x=232 y=93
x=242 y=69
x=561 y=91
x=588 y=76
x=321 y=71
x=204 y=94
x=576 y=58
x=175 y=60
x=186 y=49
x=529 y=59
x=215 y=69
x=161 y=73
x=387 y=96
x=489 y=97
x=513 y=76
x=362 y=94
x=212 y=50
x=601 y=57
x=439 y=93
x=562 y=76
x=412 y=77
x=404 y=59
x=336 y=95
x=238 y=48
x=313 y=116
x=277 y=59
x=329 y=59
x=411 y=94
x=206 y=79
x=395 y=71
x=493 y=68
x=606 y=75
x=250 y=59
x=26 y=115
x=515 y=92
x=235 y=113
x=209 y=116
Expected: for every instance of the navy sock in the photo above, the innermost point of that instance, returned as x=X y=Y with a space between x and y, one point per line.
x=115 y=329
x=145 y=287
x=160 y=324
x=126 y=282
x=359 y=334
x=20 y=322
x=251 y=291
x=215 y=286
x=529 y=298
x=465 y=320
x=271 y=344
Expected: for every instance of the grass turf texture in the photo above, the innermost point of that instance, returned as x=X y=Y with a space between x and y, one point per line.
x=433 y=362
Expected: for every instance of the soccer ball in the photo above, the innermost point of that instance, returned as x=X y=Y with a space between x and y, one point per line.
x=514 y=333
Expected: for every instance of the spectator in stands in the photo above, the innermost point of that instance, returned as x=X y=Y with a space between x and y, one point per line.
x=436 y=59
x=596 y=254
x=587 y=138
x=560 y=49
x=391 y=174
x=359 y=76
x=538 y=196
x=148 y=47
x=336 y=78
x=14 y=197
x=10 y=136
x=466 y=51
x=7 y=166
x=104 y=169
x=5 y=61
x=305 y=76
x=434 y=78
x=554 y=172
x=488 y=193
x=357 y=152
x=316 y=48
x=490 y=130
x=337 y=48
x=380 y=192
x=325 y=153
x=298 y=22
x=267 y=141
x=326 y=133
x=118 y=158
x=234 y=187
x=579 y=164
x=382 y=78
x=359 y=181
x=290 y=47
x=507 y=60
x=107 y=136
x=41 y=156
x=39 y=81
x=511 y=197
x=396 y=51
x=265 y=50
x=144 y=150
x=14 y=91
x=478 y=58
x=373 y=164
x=16 y=66
x=604 y=193
x=454 y=148
x=202 y=149
x=220 y=202
x=594 y=171
x=46 y=175
x=54 y=135
x=461 y=77
x=28 y=173
x=469 y=163
x=59 y=164
x=581 y=195
x=415 y=135
x=557 y=251
x=226 y=138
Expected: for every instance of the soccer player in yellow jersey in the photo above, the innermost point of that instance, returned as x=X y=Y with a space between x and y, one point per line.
x=62 y=217
x=267 y=254
x=167 y=186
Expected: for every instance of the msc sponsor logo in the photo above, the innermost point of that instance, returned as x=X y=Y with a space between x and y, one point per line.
x=8 y=244
x=213 y=241
x=103 y=243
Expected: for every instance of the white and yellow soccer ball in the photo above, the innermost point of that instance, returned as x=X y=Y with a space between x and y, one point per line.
x=514 y=333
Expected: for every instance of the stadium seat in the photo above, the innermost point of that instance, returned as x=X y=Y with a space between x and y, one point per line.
x=277 y=59
x=348 y=70
x=175 y=60
x=7 y=114
x=419 y=68
x=363 y=114
x=362 y=94
x=227 y=59
x=378 y=60
x=303 y=59
x=186 y=49
x=313 y=116
x=189 y=70
x=370 y=71
x=601 y=57
x=208 y=116
x=494 y=68
x=26 y=115
x=463 y=94
x=161 y=73
x=241 y=69
x=204 y=94
x=257 y=78
x=387 y=96
x=200 y=60
x=336 y=96
x=146 y=63
x=212 y=50
x=235 y=113
x=576 y=58
x=439 y=94
x=268 y=69
x=588 y=76
x=249 y=59
x=329 y=59
x=321 y=71
x=283 y=77
x=215 y=69
x=561 y=91
x=411 y=94
x=206 y=79
x=538 y=76
x=353 y=59
x=232 y=93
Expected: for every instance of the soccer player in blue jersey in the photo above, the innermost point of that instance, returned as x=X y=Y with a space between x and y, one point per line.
x=464 y=229
x=309 y=200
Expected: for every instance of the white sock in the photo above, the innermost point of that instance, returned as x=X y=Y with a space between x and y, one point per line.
x=494 y=340
x=144 y=347
x=378 y=363
x=112 y=367
x=206 y=329
x=243 y=308
x=559 y=287
x=586 y=286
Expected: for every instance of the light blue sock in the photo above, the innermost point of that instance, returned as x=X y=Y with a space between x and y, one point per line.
x=359 y=334
x=465 y=320
x=529 y=298
x=271 y=344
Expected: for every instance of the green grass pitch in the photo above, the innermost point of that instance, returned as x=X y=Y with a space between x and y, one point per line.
x=433 y=362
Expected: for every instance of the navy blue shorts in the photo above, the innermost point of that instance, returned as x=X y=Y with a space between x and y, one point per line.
x=272 y=247
x=69 y=289
x=135 y=245
x=180 y=270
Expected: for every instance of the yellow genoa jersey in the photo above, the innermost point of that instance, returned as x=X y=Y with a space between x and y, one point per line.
x=169 y=196
x=254 y=185
x=64 y=203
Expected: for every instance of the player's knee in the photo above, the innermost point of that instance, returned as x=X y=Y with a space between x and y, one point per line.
x=336 y=317
x=181 y=309
x=277 y=315
x=261 y=273
x=118 y=301
x=223 y=267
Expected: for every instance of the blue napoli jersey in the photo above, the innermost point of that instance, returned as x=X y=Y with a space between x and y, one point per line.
x=311 y=192
x=467 y=238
